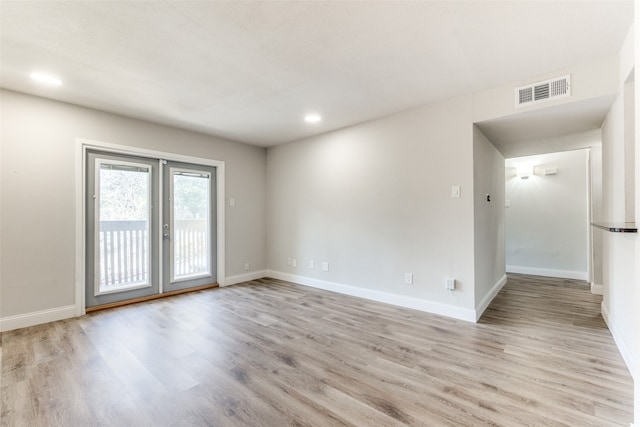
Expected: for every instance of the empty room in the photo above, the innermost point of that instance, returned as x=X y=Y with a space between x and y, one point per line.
x=319 y=213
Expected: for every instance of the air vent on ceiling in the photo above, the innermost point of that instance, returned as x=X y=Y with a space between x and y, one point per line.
x=543 y=91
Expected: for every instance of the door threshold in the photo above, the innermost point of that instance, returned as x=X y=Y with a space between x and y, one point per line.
x=149 y=298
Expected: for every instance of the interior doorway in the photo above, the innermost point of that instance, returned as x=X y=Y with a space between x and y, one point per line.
x=548 y=215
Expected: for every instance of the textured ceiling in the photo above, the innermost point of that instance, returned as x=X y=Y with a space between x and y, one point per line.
x=249 y=71
x=523 y=134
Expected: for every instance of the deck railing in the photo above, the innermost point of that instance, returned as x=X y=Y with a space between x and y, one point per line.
x=190 y=247
x=124 y=251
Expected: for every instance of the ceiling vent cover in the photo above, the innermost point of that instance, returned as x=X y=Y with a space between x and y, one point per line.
x=542 y=91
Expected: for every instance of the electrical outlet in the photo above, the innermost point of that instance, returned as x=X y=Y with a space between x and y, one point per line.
x=289 y=261
x=294 y=262
x=408 y=278
x=451 y=284
x=325 y=266
x=247 y=266
x=312 y=264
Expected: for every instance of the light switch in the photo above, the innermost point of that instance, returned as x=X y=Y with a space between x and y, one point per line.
x=455 y=191
x=507 y=203
x=232 y=202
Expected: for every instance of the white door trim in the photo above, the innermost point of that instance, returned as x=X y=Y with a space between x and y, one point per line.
x=590 y=253
x=82 y=145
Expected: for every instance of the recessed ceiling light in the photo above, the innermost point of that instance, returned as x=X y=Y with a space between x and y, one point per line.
x=47 y=79
x=312 y=118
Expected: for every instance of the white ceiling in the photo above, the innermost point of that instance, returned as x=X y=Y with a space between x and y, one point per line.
x=526 y=133
x=249 y=71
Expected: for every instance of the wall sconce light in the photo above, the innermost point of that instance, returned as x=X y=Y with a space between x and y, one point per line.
x=524 y=172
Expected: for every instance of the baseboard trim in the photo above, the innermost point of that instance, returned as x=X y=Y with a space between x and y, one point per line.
x=623 y=347
x=490 y=296
x=548 y=272
x=10 y=323
x=597 y=289
x=384 y=297
x=254 y=275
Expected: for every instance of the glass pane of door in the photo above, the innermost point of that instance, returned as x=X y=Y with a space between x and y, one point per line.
x=191 y=224
x=122 y=250
x=124 y=192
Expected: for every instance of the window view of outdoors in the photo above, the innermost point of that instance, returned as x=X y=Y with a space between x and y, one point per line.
x=124 y=226
x=190 y=225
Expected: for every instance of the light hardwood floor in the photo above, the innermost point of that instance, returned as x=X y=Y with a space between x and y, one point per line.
x=270 y=353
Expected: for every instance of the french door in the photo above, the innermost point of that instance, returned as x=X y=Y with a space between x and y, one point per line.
x=151 y=227
x=188 y=230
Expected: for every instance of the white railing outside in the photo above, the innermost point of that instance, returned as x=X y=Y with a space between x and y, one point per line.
x=190 y=248
x=124 y=252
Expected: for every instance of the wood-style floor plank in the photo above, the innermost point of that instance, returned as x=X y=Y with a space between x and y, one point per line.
x=272 y=353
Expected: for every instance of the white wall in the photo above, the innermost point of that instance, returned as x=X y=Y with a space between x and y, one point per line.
x=629 y=149
x=635 y=33
x=547 y=222
x=619 y=249
x=596 y=217
x=375 y=202
x=489 y=239
x=554 y=144
x=592 y=80
x=613 y=163
x=37 y=195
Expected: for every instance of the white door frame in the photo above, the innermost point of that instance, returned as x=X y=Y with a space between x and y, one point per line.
x=590 y=251
x=82 y=145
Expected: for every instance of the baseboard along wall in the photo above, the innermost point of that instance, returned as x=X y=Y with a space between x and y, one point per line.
x=246 y=277
x=384 y=297
x=548 y=272
x=623 y=347
x=490 y=296
x=10 y=323
x=597 y=289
